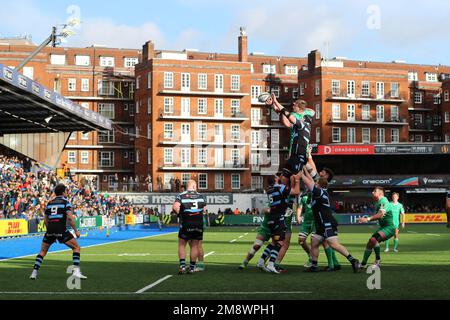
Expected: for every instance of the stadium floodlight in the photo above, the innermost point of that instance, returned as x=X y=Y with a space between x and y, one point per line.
x=66 y=33
x=47 y=120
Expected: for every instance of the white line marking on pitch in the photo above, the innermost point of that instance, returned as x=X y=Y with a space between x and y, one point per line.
x=209 y=254
x=234 y=240
x=413 y=232
x=240 y=237
x=94 y=245
x=155 y=293
x=154 y=284
x=433 y=235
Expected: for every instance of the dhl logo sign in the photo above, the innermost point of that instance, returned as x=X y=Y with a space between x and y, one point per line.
x=426 y=218
x=13 y=227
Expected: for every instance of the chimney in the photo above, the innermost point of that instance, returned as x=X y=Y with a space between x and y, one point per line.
x=243 y=46
x=314 y=60
x=148 y=51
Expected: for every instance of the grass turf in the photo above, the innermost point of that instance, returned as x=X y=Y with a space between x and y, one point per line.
x=116 y=271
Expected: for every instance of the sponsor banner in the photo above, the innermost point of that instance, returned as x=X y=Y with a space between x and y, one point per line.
x=87 y=222
x=155 y=199
x=346 y=150
x=11 y=228
x=426 y=218
x=232 y=220
x=138 y=219
x=391 y=181
x=129 y=219
x=413 y=149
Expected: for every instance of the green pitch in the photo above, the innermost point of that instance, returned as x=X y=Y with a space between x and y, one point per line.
x=117 y=271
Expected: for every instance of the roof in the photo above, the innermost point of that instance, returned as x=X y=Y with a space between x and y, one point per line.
x=25 y=104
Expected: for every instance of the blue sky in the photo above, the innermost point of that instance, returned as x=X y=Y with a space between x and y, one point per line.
x=414 y=31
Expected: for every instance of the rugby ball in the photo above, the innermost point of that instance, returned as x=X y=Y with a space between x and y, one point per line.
x=264 y=97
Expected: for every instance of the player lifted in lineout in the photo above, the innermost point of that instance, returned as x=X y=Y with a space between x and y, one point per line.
x=57 y=213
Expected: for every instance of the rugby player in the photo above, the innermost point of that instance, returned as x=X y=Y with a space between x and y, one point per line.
x=57 y=213
x=189 y=206
x=386 y=230
x=398 y=213
x=326 y=225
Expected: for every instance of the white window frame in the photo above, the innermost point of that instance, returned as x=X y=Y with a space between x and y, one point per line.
x=185 y=82
x=235 y=106
x=109 y=112
x=202 y=181
x=168 y=130
x=202 y=131
x=336 y=132
x=202 y=81
x=446 y=96
x=72 y=85
x=381 y=135
x=395 y=114
x=418 y=97
x=107 y=61
x=431 y=77
x=235 y=82
x=365 y=88
x=235 y=132
x=380 y=113
x=317 y=87
x=218 y=83
x=351 y=112
x=351 y=88
x=168 y=80
x=82 y=60
x=149 y=105
x=413 y=76
x=168 y=105
x=234 y=181
x=85 y=85
x=202 y=156
x=58 y=59
x=84 y=157
x=168 y=156
x=106 y=156
x=71 y=157
x=395 y=135
x=335 y=87
x=202 y=106
x=351 y=135
x=149 y=80
x=130 y=62
x=447 y=117
x=255 y=93
x=365 y=112
x=395 y=90
x=336 y=111
x=291 y=70
x=380 y=90
x=365 y=135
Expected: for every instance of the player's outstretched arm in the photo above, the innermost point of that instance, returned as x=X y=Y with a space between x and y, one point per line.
x=295 y=183
x=299 y=213
x=380 y=214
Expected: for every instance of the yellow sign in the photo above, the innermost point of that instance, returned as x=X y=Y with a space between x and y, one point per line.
x=129 y=219
x=60 y=173
x=9 y=228
x=426 y=218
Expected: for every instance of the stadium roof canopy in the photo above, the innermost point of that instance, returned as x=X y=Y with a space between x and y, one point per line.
x=28 y=107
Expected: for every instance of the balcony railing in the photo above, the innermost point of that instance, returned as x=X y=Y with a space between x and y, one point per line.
x=188 y=140
x=343 y=95
x=178 y=115
x=209 y=91
x=371 y=121
x=421 y=127
x=227 y=165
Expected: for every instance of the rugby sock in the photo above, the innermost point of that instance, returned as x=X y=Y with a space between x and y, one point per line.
x=76 y=259
x=182 y=263
x=274 y=253
x=201 y=264
x=267 y=252
x=192 y=265
x=377 y=250
x=335 y=260
x=387 y=244
x=328 y=252
x=38 y=262
x=395 y=244
x=367 y=254
x=350 y=258
x=314 y=264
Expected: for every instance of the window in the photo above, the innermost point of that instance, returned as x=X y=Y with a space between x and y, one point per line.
x=446 y=96
x=430 y=77
x=185 y=131
x=107 y=62
x=185 y=107
x=380 y=90
x=336 y=111
x=168 y=131
x=235 y=132
x=317 y=135
x=73 y=136
x=275 y=159
x=149 y=106
x=185 y=82
x=394 y=114
x=236 y=157
x=149 y=156
x=218 y=107
x=72 y=157
x=202 y=131
x=412 y=76
x=138 y=156
x=106 y=110
x=395 y=136
x=255 y=161
x=447 y=137
x=220 y=185
x=235 y=83
x=149 y=80
x=447 y=117
x=350 y=112
x=394 y=90
x=58 y=59
x=302 y=88
x=336 y=133
x=365 y=135
x=202 y=156
x=106 y=137
x=380 y=113
x=149 y=131
x=418 y=119
x=138 y=82
x=381 y=135
x=203 y=181
x=235 y=107
x=132 y=158
x=351 y=88
x=168 y=156
x=291 y=70
x=72 y=85
x=351 y=135
x=317 y=87
x=295 y=93
x=269 y=69
x=185 y=177
x=255 y=116
x=418 y=97
x=437 y=120
x=105 y=88
x=257 y=183
x=168 y=105
x=138 y=106
x=131 y=109
x=84 y=157
x=85 y=136
x=235 y=181
x=365 y=112
x=418 y=138
x=106 y=159
x=82 y=60
x=276 y=91
x=202 y=81
x=256 y=92
x=168 y=80
x=335 y=87
x=202 y=106
x=130 y=62
x=85 y=85
x=256 y=138
x=365 y=88
x=218 y=83
x=437 y=99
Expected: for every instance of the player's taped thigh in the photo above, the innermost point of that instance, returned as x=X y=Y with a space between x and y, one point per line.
x=318 y=237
